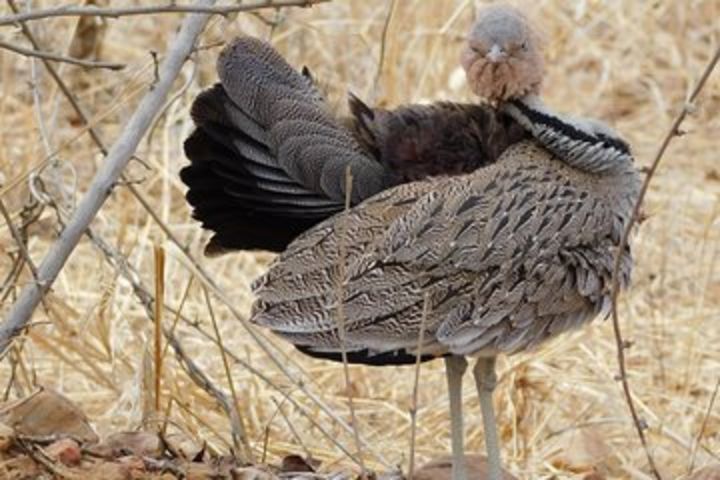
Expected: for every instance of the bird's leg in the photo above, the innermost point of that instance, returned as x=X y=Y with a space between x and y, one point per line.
x=485 y=380
x=455 y=367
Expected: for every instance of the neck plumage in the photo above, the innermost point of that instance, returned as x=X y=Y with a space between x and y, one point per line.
x=585 y=144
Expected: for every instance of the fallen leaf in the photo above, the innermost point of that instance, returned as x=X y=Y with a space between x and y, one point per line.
x=130 y=443
x=441 y=469
x=251 y=473
x=65 y=451
x=183 y=446
x=110 y=471
x=581 y=451
x=711 y=472
x=46 y=413
x=7 y=437
x=201 y=471
x=295 y=463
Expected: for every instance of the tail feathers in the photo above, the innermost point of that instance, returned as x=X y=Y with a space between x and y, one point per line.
x=307 y=141
x=244 y=212
x=268 y=160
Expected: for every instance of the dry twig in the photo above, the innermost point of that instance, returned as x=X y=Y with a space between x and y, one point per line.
x=240 y=438
x=687 y=109
x=170 y=7
x=29 y=52
x=104 y=181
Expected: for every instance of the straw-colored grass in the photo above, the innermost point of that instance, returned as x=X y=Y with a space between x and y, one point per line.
x=560 y=409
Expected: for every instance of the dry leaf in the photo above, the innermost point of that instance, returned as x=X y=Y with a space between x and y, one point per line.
x=251 y=473
x=711 y=472
x=201 y=471
x=183 y=446
x=65 y=451
x=47 y=413
x=441 y=469
x=7 y=437
x=582 y=451
x=295 y=463
x=130 y=443
x=110 y=471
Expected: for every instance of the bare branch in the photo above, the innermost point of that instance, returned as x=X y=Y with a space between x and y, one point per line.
x=28 y=52
x=90 y=11
x=615 y=286
x=104 y=181
x=207 y=280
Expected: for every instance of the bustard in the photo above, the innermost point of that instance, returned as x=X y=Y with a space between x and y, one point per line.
x=494 y=228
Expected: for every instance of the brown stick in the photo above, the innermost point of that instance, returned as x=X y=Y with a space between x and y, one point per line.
x=105 y=179
x=88 y=11
x=29 y=52
x=615 y=285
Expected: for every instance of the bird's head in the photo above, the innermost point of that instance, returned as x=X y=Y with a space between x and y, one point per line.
x=502 y=57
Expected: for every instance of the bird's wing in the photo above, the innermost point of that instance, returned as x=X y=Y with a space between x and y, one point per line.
x=504 y=257
x=444 y=138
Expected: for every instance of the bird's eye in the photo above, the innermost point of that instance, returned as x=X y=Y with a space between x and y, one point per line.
x=524 y=46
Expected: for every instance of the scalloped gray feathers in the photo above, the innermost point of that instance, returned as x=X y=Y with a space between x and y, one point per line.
x=508 y=256
x=308 y=142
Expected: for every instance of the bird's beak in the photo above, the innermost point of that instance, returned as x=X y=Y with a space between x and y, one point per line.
x=495 y=54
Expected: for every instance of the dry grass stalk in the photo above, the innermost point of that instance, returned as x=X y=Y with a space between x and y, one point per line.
x=340 y=311
x=158 y=316
x=28 y=52
x=416 y=386
x=240 y=438
x=688 y=107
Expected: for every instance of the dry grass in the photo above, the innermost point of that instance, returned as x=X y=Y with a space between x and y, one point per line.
x=630 y=63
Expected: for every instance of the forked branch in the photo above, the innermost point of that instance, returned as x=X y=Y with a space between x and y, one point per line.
x=687 y=109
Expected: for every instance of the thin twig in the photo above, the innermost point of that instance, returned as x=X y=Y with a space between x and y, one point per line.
x=54 y=57
x=383 y=48
x=340 y=292
x=104 y=180
x=416 y=384
x=158 y=315
x=701 y=433
x=294 y=431
x=240 y=438
x=24 y=253
x=615 y=285
x=90 y=11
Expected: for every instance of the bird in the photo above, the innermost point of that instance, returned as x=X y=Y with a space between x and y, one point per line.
x=489 y=228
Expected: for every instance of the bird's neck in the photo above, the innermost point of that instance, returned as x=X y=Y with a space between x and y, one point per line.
x=585 y=144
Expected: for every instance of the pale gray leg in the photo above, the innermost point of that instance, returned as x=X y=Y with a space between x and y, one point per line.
x=485 y=381
x=455 y=367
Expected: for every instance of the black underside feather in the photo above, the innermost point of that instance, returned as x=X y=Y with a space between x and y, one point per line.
x=367 y=357
x=246 y=201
